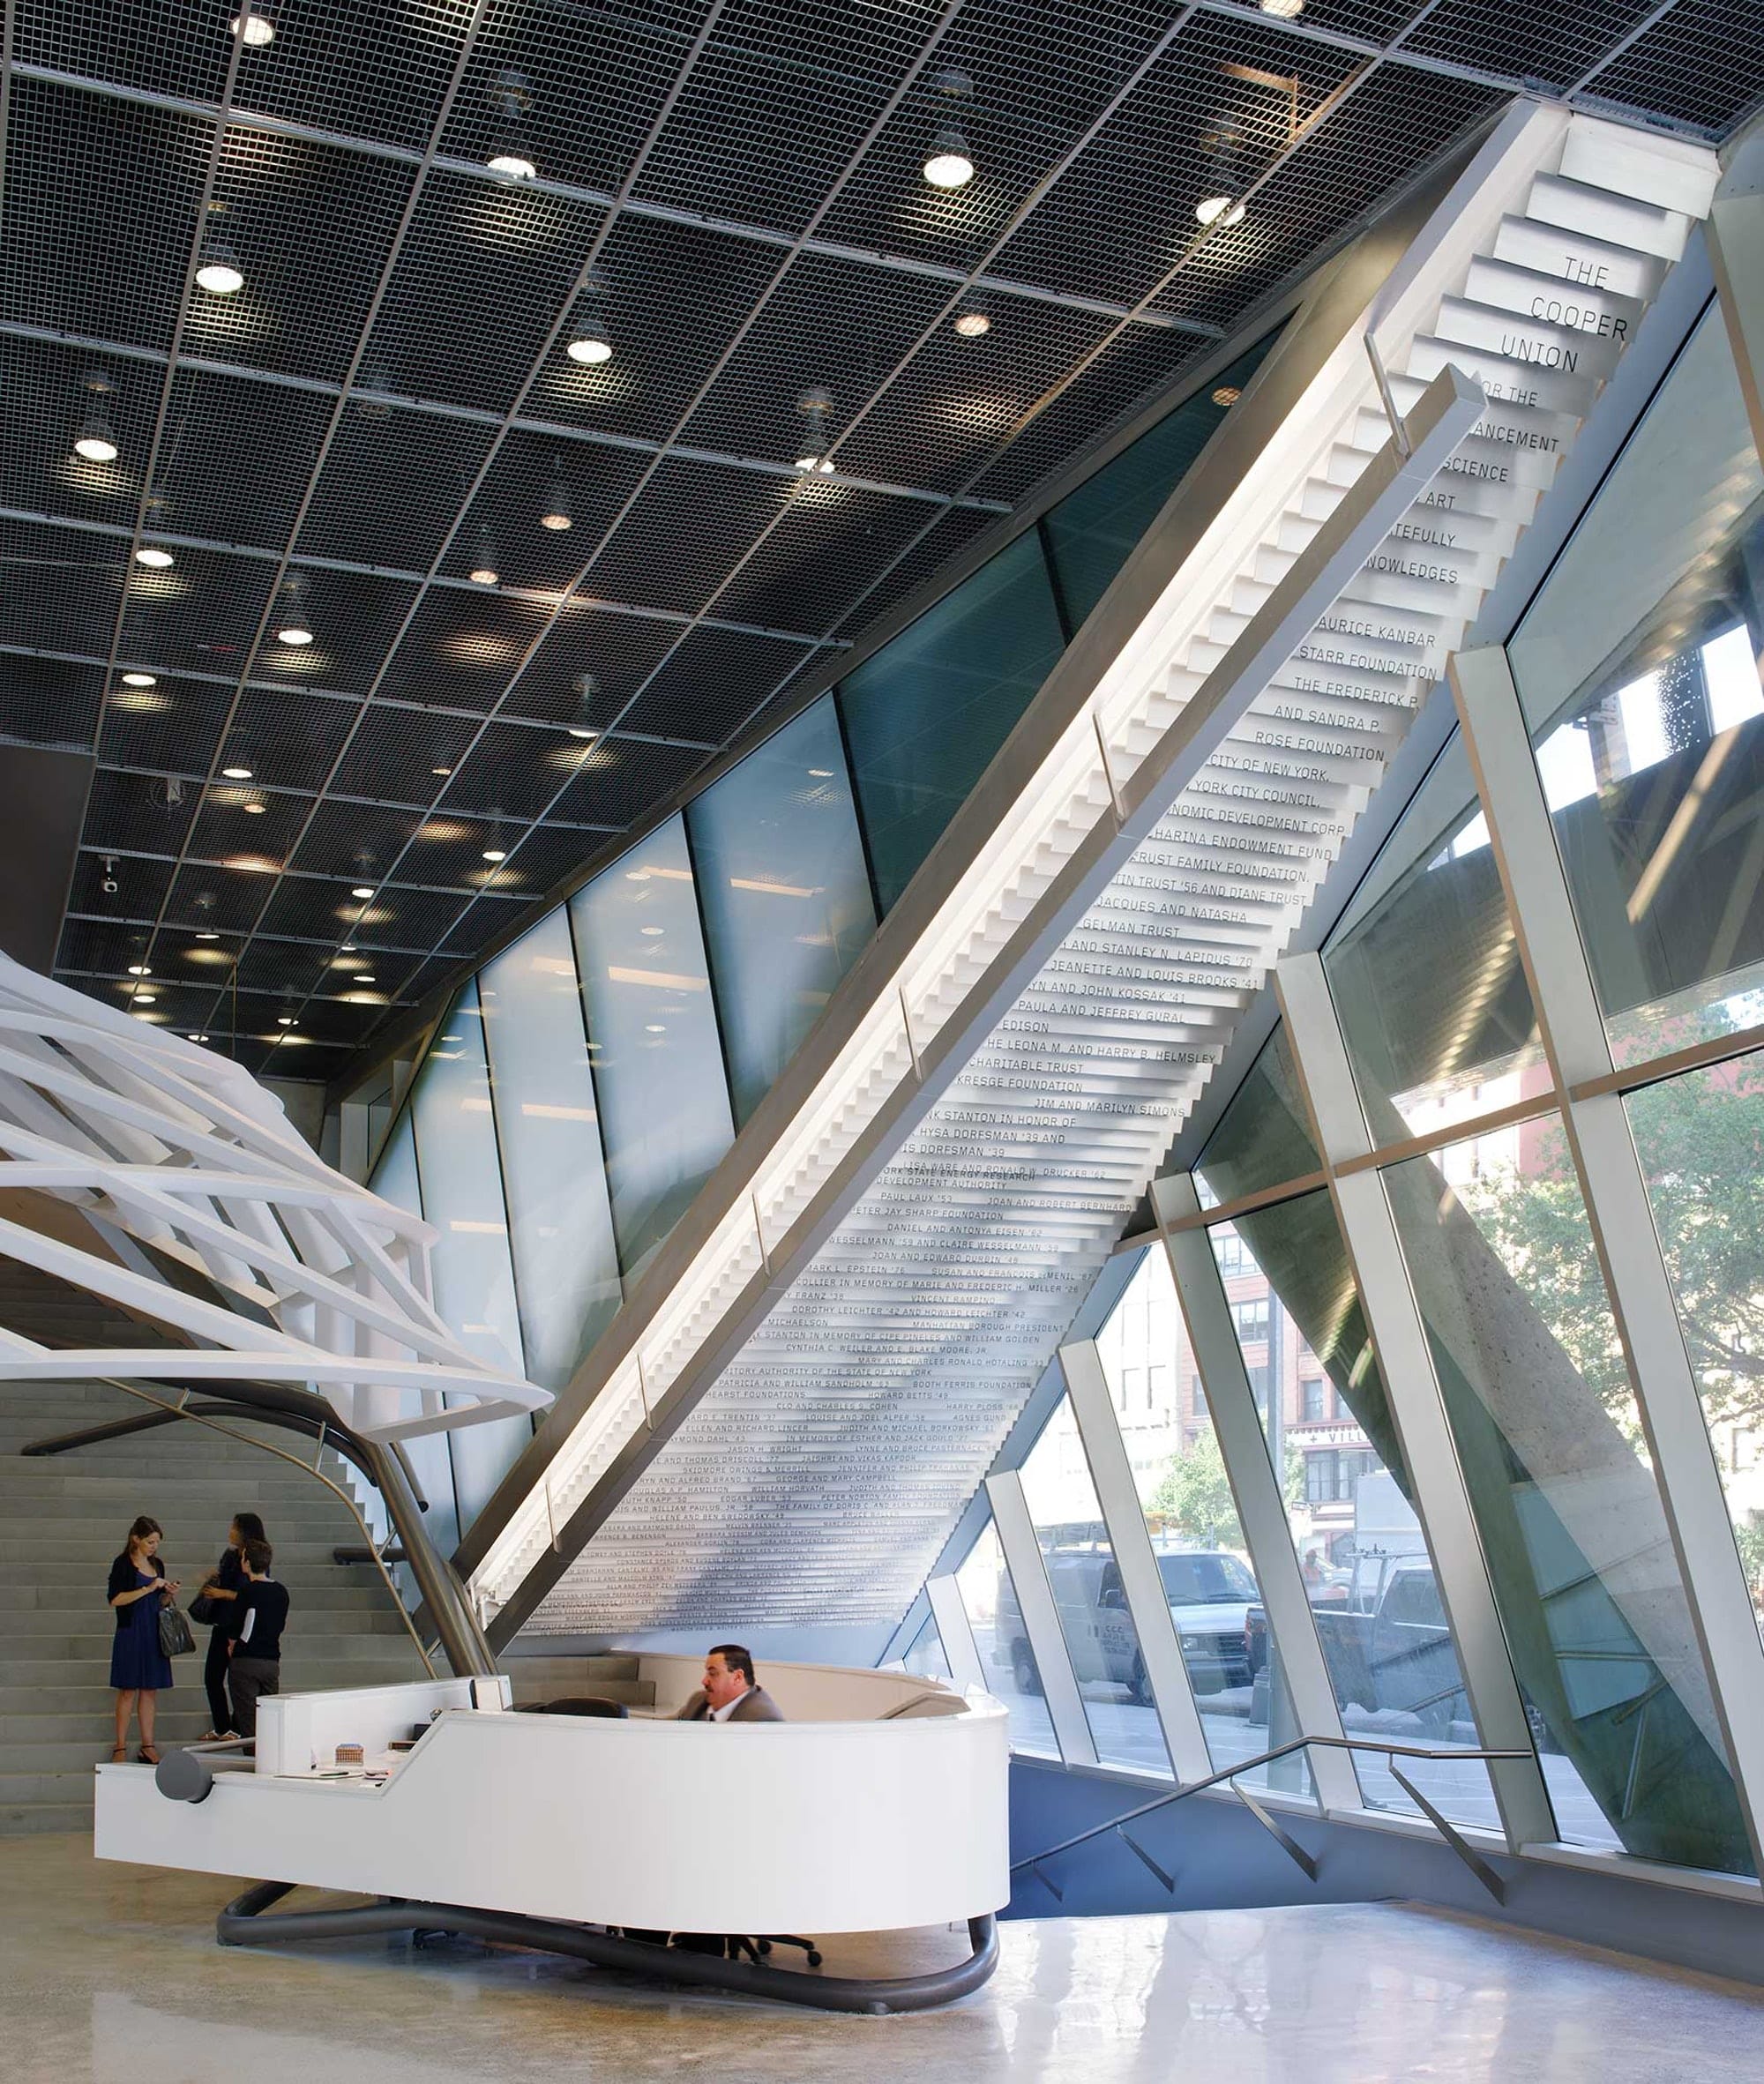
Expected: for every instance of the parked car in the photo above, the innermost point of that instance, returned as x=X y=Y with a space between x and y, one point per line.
x=1389 y=1648
x=1208 y=1591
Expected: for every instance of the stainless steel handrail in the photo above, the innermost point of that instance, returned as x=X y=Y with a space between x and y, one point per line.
x=1228 y=1775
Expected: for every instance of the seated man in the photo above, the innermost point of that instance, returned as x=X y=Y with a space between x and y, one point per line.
x=730 y=1693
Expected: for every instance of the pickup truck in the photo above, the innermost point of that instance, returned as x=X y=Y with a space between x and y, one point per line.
x=1388 y=1648
x=1209 y=1591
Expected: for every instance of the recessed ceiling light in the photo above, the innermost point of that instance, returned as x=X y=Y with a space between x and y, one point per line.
x=348 y=948
x=155 y=560
x=295 y=633
x=141 y=680
x=1282 y=10
x=198 y=1038
x=972 y=324
x=286 y=1020
x=364 y=978
x=146 y=998
x=236 y=773
x=950 y=164
x=95 y=440
x=1219 y=210
x=513 y=166
x=486 y=575
x=582 y=731
x=207 y=933
x=1227 y=395
x=821 y=465
x=495 y=854
x=220 y=274
x=139 y=969
x=361 y=890
x=590 y=346
x=260 y=31
x=255 y=809
x=440 y=770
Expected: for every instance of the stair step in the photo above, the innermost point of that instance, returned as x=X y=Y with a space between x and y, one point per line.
x=1621 y=220
x=1578 y=261
x=1672 y=174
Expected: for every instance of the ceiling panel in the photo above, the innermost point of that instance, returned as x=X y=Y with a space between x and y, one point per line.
x=728 y=196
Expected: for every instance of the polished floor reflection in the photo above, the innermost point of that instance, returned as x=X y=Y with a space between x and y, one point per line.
x=112 y=1976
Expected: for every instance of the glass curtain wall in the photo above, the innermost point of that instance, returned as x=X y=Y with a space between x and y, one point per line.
x=1101 y=1638
x=706 y=952
x=460 y=1170
x=989 y=1601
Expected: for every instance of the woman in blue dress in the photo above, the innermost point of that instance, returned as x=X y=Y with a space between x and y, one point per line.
x=138 y=1668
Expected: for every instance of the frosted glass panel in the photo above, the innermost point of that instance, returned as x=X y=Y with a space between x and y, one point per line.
x=786 y=896
x=653 y=1038
x=396 y=1180
x=456 y=1159
x=560 y=1222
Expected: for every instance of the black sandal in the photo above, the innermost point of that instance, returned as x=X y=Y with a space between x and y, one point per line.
x=148 y=1755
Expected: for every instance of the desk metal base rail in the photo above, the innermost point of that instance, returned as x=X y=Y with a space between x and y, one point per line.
x=243 y=1923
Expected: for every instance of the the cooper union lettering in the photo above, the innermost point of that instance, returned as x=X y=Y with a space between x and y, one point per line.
x=1546 y=353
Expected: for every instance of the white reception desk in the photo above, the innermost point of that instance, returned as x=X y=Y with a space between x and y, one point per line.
x=879 y=1804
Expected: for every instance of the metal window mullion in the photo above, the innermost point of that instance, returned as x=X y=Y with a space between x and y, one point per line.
x=1417 y=1408
x=1619 y=1210
x=1087 y=1389
x=956 y=1633
x=1736 y=243
x=1041 y=1619
x=1261 y=1509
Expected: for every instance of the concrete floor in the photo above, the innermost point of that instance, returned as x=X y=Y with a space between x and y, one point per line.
x=111 y=1976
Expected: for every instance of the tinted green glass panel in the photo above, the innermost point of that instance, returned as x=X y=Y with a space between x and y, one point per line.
x=1579 y=1552
x=927 y=712
x=1262 y=1139
x=1095 y=529
x=786 y=896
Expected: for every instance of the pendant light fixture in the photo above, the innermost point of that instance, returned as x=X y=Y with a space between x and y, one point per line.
x=950 y=162
x=511 y=156
x=556 y=515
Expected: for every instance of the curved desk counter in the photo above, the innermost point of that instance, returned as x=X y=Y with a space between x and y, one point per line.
x=887 y=1815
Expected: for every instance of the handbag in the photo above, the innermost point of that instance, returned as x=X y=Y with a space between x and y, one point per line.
x=175 y=1636
x=208 y=1612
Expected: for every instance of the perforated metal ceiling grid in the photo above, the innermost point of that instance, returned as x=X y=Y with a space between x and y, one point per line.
x=730 y=191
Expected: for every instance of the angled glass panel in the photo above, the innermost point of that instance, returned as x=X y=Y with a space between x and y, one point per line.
x=1424 y=971
x=1100 y=1636
x=924 y=1657
x=1701 y=1143
x=1166 y=1419
x=989 y=1601
x=1579 y=1552
x=394 y=1178
x=657 y=1060
x=460 y=1170
x=560 y=1222
x=1350 y=1502
x=924 y=715
x=786 y=895
x=1095 y=529
x=1262 y=1139
x=1638 y=667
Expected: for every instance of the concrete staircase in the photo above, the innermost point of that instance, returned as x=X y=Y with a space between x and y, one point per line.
x=64 y=1518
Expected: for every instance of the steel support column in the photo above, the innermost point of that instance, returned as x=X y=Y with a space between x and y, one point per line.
x=957 y=1635
x=1041 y=1619
x=1417 y=1408
x=1087 y=1388
x=1261 y=1510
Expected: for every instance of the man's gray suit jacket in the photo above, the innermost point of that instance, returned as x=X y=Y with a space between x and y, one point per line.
x=755 y=1706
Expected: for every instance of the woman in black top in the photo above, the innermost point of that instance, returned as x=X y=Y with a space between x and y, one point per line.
x=221 y=1590
x=138 y=1668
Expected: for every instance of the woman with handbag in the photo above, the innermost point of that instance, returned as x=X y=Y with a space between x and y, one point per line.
x=140 y=1591
x=212 y=1608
